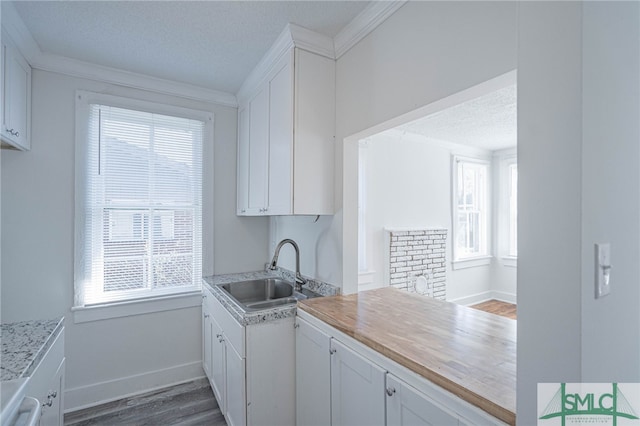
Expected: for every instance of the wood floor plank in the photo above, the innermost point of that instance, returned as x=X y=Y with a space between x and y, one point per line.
x=498 y=307
x=189 y=404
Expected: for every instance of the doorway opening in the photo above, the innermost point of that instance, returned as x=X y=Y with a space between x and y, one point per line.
x=436 y=205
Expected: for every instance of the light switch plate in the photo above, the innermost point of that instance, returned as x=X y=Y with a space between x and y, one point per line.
x=603 y=269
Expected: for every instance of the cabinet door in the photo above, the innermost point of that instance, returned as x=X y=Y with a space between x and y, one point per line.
x=406 y=406
x=243 y=162
x=207 y=337
x=53 y=407
x=218 y=366
x=357 y=388
x=313 y=375
x=281 y=140
x=258 y=152
x=16 y=96
x=236 y=396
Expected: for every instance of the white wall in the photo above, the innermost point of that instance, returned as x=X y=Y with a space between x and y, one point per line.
x=610 y=193
x=578 y=99
x=549 y=223
x=422 y=53
x=112 y=357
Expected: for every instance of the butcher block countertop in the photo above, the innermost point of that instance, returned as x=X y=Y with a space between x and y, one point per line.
x=470 y=353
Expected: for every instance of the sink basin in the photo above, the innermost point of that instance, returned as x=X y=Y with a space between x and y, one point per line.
x=261 y=293
x=258 y=290
x=265 y=293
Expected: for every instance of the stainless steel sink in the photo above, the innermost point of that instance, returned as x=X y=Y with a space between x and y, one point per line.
x=262 y=293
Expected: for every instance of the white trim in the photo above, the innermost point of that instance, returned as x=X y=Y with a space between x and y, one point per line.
x=18 y=31
x=485 y=296
x=364 y=23
x=472 y=262
x=75 y=68
x=111 y=390
x=488 y=219
x=129 y=308
x=350 y=167
x=510 y=261
x=312 y=41
x=292 y=36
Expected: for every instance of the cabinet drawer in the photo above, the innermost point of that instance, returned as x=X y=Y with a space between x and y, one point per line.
x=233 y=331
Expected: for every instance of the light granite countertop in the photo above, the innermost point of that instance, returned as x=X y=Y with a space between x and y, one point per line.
x=24 y=344
x=212 y=282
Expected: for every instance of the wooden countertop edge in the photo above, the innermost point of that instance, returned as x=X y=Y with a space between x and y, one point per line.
x=457 y=389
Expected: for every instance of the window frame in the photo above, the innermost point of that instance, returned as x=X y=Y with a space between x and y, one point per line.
x=484 y=258
x=505 y=227
x=179 y=297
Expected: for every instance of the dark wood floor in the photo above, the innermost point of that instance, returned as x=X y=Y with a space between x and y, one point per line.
x=189 y=404
x=498 y=307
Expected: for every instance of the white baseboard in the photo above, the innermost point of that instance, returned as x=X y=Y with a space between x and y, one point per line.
x=484 y=296
x=100 y=393
x=504 y=296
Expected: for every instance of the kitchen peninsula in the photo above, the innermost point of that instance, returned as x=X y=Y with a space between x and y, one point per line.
x=469 y=353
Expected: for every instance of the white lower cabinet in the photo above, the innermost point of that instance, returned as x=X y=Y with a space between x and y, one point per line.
x=251 y=368
x=357 y=388
x=313 y=376
x=407 y=406
x=352 y=384
x=46 y=384
x=236 y=408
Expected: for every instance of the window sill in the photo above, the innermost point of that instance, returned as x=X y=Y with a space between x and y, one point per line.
x=510 y=261
x=471 y=262
x=105 y=311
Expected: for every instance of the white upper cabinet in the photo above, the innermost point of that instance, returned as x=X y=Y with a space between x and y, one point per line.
x=16 y=97
x=286 y=123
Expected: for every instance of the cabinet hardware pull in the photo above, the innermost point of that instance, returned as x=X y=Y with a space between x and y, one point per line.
x=332 y=351
x=204 y=296
x=296 y=325
x=13 y=132
x=391 y=391
x=206 y=315
x=53 y=394
x=220 y=340
x=49 y=402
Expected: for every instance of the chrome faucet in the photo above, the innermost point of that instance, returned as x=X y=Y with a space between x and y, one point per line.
x=299 y=281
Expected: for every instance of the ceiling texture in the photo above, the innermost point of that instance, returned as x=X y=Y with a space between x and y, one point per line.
x=488 y=122
x=211 y=44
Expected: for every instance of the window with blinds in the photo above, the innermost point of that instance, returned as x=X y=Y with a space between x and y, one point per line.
x=140 y=233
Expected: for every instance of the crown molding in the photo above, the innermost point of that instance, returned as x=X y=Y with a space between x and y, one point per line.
x=292 y=36
x=312 y=41
x=366 y=21
x=17 y=30
x=75 y=68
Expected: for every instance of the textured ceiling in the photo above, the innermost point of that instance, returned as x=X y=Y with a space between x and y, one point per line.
x=488 y=122
x=213 y=44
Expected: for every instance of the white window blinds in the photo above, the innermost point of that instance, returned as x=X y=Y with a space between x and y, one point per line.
x=142 y=206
